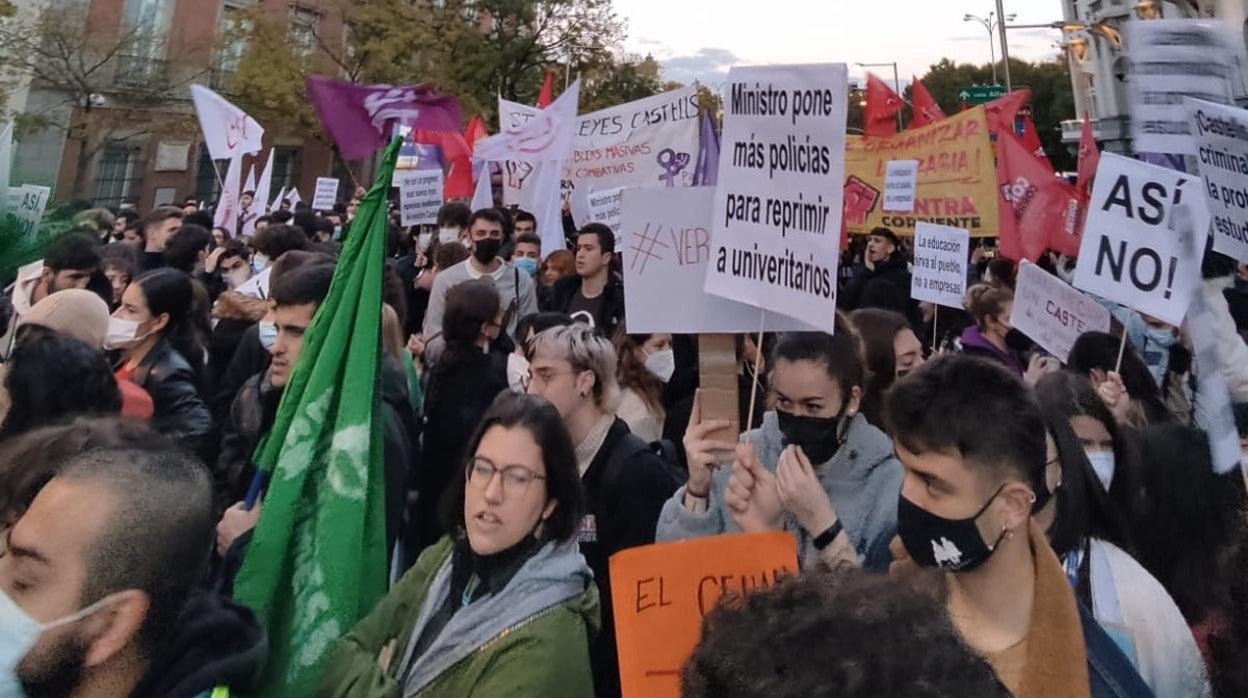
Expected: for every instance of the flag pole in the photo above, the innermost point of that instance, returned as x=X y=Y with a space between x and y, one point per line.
x=758 y=360
x=1122 y=349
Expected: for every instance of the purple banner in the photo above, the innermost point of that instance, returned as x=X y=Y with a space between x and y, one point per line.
x=362 y=118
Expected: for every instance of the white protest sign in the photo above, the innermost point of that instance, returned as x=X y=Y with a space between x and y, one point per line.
x=900 y=179
x=420 y=196
x=27 y=203
x=1171 y=59
x=941 y=254
x=326 y=194
x=1130 y=252
x=257 y=286
x=666 y=248
x=1221 y=135
x=777 y=234
x=1052 y=313
x=604 y=208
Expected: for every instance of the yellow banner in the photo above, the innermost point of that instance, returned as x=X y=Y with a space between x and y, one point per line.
x=956 y=186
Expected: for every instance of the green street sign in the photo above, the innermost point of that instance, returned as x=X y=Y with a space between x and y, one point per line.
x=980 y=94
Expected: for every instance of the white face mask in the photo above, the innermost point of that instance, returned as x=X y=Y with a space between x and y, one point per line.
x=662 y=364
x=448 y=235
x=517 y=371
x=268 y=335
x=122 y=334
x=19 y=633
x=422 y=241
x=237 y=277
x=1103 y=464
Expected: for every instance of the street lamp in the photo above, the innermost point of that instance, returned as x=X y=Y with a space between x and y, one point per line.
x=896 y=83
x=990 y=24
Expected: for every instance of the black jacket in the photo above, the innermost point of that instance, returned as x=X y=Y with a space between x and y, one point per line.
x=215 y=643
x=610 y=315
x=250 y=417
x=250 y=358
x=887 y=287
x=626 y=486
x=174 y=387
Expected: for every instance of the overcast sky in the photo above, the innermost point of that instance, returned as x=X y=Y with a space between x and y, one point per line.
x=701 y=39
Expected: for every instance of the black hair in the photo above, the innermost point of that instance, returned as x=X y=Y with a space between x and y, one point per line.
x=946 y=405
x=821 y=634
x=509 y=225
x=469 y=306
x=281 y=217
x=1099 y=350
x=159 y=537
x=840 y=354
x=129 y=215
x=529 y=239
x=523 y=216
x=199 y=218
x=250 y=193
x=563 y=479
x=1240 y=410
x=454 y=214
x=185 y=245
x=169 y=291
x=76 y=250
x=53 y=376
x=879 y=329
x=303 y=285
x=537 y=323
x=308 y=221
x=234 y=248
x=1003 y=273
x=606 y=238
x=276 y=240
x=492 y=215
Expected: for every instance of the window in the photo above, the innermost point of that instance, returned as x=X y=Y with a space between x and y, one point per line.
x=206 y=185
x=117 y=174
x=148 y=21
x=234 y=27
x=285 y=169
x=305 y=23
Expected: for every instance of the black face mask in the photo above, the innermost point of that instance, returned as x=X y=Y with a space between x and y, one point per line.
x=950 y=544
x=1017 y=341
x=486 y=250
x=818 y=437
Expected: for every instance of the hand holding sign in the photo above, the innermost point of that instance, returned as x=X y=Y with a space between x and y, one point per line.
x=752 y=495
x=701 y=451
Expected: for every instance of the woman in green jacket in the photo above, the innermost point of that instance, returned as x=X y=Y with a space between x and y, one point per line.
x=505 y=605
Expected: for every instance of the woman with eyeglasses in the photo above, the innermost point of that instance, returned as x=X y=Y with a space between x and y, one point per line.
x=505 y=604
x=462 y=384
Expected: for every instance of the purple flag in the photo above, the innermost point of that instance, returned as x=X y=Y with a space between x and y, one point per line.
x=361 y=118
x=706 y=174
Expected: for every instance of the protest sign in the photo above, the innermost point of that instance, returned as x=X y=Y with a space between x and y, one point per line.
x=257 y=286
x=1130 y=252
x=666 y=246
x=900 y=178
x=1221 y=135
x=605 y=208
x=660 y=593
x=941 y=254
x=326 y=194
x=27 y=203
x=651 y=142
x=1052 y=313
x=420 y=196
x=1171 y=59
x=956 y=183
x=777 y=232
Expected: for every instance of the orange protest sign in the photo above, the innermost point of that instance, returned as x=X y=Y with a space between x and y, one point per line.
x=956 y=186
x=660 y=593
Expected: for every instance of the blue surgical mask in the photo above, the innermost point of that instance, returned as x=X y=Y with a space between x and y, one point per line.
x=527 y=265
x=259 y=262
x=19 y=633
x=1103 y=463
x=268 y=334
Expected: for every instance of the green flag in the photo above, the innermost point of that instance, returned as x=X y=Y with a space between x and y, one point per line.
x=317 y=560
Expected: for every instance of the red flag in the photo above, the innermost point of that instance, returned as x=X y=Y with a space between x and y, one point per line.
x=457 y=153
x=882 y=107
x=476 y=131
x=547 y=93
x=1003 y=110
x=926 y=110
x=1039 y=212
x=1089 y=157
x=1031 y=139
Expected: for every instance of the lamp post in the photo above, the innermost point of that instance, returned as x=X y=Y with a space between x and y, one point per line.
x=990 y=24
x=896 y=82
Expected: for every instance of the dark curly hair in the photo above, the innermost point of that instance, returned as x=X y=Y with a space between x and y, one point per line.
x=51 y=377
x=844 y=633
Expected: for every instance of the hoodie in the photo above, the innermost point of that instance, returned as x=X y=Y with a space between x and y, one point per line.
x=975 y=343
x=20 y=293
x=863 y=481
x=216 y=643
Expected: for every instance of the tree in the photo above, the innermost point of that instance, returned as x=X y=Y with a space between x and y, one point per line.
x=615 y=81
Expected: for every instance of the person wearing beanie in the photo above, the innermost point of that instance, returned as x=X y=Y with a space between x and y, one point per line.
x=883 y=280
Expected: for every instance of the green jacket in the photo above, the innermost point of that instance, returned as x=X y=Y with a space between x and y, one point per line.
x=545 y=654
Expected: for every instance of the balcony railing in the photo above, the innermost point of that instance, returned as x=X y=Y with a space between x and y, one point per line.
x=137 y=72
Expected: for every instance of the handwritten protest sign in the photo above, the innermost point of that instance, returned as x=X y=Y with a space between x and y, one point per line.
x=956 y=183
x=27 y=203
x=605 y=208
x=1130 y=252
x=776 y=242
x=666 y=245
x=1052 y=313
x=326 y=194
x=660 y=592
x=900 y=179
x=1221 y=135
x=420 y=196
x=941 y=254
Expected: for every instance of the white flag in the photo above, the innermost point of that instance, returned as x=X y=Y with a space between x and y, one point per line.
x=260 y=199
x=228 y=209
x=277 y=203
x=6 y=152
x=293 y=198
x=228 y=131
x=483 y=197
x=250 y=183
x=548 y=136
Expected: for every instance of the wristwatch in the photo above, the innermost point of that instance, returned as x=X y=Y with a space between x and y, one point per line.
x=825 y=539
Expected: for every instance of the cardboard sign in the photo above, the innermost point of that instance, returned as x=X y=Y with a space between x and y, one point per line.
x=777 y=230
x=900 y=178
x=1131 y=252
x=661 y=592
x=1171 y=59
x=326 y=194
x=666 y=247
x=420 y=196
x=1052 y=313
x=1221 y=135
x=956 y=183
x=27 y=203
x=605 y=208
x=941 y=255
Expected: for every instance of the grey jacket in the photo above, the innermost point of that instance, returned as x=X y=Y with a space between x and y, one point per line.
x=863 y=481
x=524 y=295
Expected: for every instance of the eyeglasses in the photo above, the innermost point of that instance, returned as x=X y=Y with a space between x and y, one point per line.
x=516 y=478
